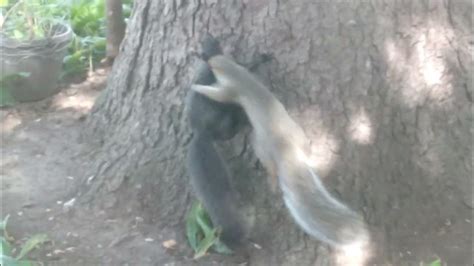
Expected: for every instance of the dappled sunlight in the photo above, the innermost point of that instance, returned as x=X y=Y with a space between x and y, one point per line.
x=418 y=72
x=360 y=128
x=9 y=123
x=81 y=97
x=324 y=147
x=355 y=254
x=431 y=66
x=79 y=102
x=422 y=72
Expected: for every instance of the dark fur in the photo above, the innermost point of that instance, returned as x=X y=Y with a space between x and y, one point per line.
x=210 y=177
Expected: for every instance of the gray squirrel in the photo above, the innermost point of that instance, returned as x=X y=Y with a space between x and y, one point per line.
x=281 y=146
x=212 y=121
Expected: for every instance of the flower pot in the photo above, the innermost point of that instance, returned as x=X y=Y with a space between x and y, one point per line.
x=40 y=59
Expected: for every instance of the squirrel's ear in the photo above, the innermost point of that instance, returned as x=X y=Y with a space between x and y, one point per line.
x=213 y=92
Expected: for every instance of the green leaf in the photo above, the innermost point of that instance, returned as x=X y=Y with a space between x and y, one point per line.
x=5 y=248
x=31 y=244
x=205 y=244
x=436 y=263
x=201 y=234
x=203 y=220
x=15 y=76
x=210 y=234
x=3 y=224
x=23 y=74
x=221 y=248
x=192 y=228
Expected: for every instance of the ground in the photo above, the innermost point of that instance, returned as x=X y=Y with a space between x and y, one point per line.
x=40 y=144
x=42 y=158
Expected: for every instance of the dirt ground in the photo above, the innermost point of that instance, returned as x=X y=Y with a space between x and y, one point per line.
x=42 y=162
x=40 y=144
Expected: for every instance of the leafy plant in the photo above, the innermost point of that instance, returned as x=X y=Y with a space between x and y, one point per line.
x=87 y=17
x=32 y=19
x=200 y=232
x=83 y=53
x=88 y=23
x=6 y=252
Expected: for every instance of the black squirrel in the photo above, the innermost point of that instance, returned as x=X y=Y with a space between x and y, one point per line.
x=212 y=121
x=281 y=146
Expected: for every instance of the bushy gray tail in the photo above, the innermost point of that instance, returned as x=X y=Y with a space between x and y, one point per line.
x=317 y=211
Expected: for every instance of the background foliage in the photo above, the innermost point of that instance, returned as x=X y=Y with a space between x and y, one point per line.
x=25 y=20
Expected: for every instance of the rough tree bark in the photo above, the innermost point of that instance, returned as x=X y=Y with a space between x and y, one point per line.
x=115 y=27
x=383 y=88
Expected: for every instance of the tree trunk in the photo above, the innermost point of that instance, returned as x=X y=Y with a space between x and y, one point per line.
x=383 y=89
x=115 y=27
